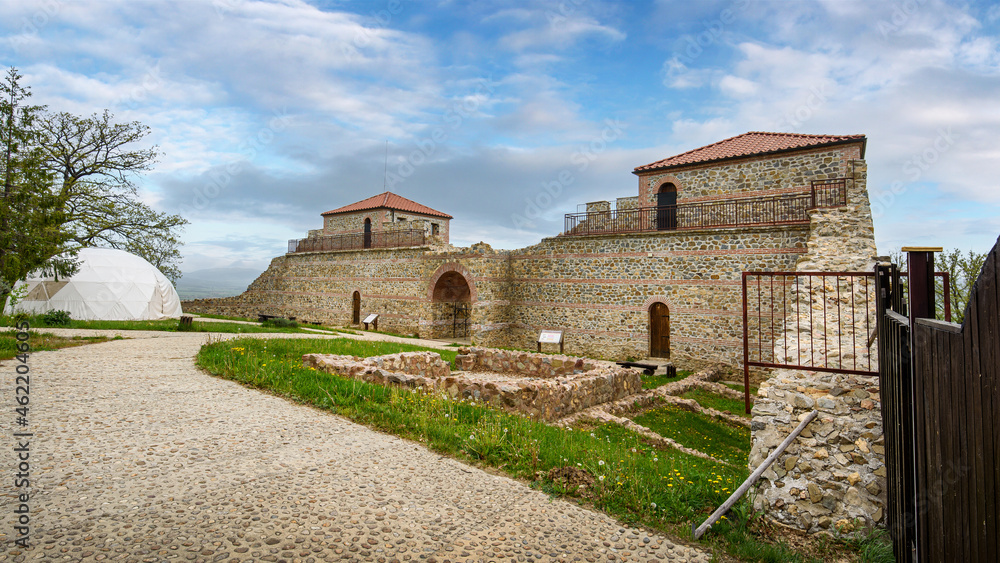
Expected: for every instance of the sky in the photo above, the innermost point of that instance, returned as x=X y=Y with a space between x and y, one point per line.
x=507 y=115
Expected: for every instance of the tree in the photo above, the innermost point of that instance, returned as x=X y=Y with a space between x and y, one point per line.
x=31 y=215
x=963 y=270
x=97 y=162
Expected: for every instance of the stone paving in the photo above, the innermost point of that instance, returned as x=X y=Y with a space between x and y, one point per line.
x=139 y=456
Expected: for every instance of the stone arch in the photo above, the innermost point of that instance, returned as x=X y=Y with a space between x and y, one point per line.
x=451 y=293
x=656 y=299
x=658 y=184
x=451 y=267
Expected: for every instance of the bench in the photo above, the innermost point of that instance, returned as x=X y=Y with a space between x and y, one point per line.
x=647 y=369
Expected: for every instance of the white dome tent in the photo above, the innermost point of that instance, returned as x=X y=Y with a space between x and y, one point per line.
x=111 y=285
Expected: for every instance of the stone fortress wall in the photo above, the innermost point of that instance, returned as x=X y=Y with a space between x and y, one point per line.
x=598 y=289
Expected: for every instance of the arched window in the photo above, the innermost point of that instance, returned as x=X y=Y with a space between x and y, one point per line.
x=368 y=233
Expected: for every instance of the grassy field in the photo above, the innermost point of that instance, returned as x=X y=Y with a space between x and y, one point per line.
x=703 y=433
x=640 y=484
x=42 y=341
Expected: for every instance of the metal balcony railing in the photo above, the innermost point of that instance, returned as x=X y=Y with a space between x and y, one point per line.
x=358 y=241
x=754 y=211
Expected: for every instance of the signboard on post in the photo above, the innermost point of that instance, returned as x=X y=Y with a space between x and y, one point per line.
x=550 y=337
x=373 y=320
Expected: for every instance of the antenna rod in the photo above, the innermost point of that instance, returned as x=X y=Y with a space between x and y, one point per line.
x=385 y=170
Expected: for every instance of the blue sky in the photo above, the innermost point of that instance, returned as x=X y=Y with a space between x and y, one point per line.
x=269 y=113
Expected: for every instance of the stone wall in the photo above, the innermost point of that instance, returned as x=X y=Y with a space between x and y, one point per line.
x=749 y=177
x=423 y=364
x=545 y=399
x=524 y=363
x=387 y=220
x=597 y=289
x=834 y=472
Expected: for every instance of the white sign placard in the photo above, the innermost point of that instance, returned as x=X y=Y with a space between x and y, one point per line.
x=370 y=318
x=550 y=336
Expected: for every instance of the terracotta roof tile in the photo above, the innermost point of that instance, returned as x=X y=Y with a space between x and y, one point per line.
x=388 y=200
x=749 y=144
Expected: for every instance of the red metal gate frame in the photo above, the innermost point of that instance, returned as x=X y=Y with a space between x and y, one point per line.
x=869 y=282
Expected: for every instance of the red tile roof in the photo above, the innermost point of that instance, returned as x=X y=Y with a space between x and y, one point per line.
x=750 y=144
x=388 y=200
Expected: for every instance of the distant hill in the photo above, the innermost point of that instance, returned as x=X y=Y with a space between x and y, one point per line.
x=215 y=282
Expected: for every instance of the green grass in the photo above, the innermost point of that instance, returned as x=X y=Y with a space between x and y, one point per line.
x=713 y=401
x=640 y=484
x=661 y=488
x=39 y=341
x=739 y=387
x=703 y=433
x=654 y=381
x=170 y=325
x=224 y=318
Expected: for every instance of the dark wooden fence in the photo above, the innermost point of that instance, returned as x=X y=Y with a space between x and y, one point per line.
x=742 y=212
x=940 y=390
x=357 y=241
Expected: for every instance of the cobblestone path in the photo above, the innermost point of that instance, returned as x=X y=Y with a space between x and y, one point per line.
x=139 y=456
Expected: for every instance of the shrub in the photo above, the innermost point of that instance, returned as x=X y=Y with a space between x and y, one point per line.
x=56 y=318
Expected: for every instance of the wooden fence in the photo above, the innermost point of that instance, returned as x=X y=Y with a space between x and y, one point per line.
x=940 y=389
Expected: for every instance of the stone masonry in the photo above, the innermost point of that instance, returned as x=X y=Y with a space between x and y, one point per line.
x=507 y=380
x=834 y=473
x=598 y=289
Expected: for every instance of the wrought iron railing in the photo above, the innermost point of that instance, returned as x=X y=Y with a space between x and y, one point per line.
x=358 y=241
x=770 y=210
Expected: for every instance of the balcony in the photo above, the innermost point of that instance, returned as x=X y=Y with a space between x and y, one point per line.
x=788 y=209
x=358 y=241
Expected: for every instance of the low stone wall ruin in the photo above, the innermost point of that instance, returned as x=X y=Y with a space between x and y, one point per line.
x=523 y=363
x=548 y=398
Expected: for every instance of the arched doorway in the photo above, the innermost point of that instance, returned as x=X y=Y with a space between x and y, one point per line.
x=356 y=308
x=659 y=331
x=368 y=233
x=451 y=304
x=666 y=207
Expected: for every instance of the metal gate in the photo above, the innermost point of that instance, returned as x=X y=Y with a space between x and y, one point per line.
x=786 y=320
x=815 y=321
x=460 y=312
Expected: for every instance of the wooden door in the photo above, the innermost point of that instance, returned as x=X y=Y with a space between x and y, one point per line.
x=356 y=308
x=659 y=331
x=666 y=209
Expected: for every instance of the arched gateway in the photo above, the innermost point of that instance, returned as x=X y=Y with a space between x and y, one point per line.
x=451 y=296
